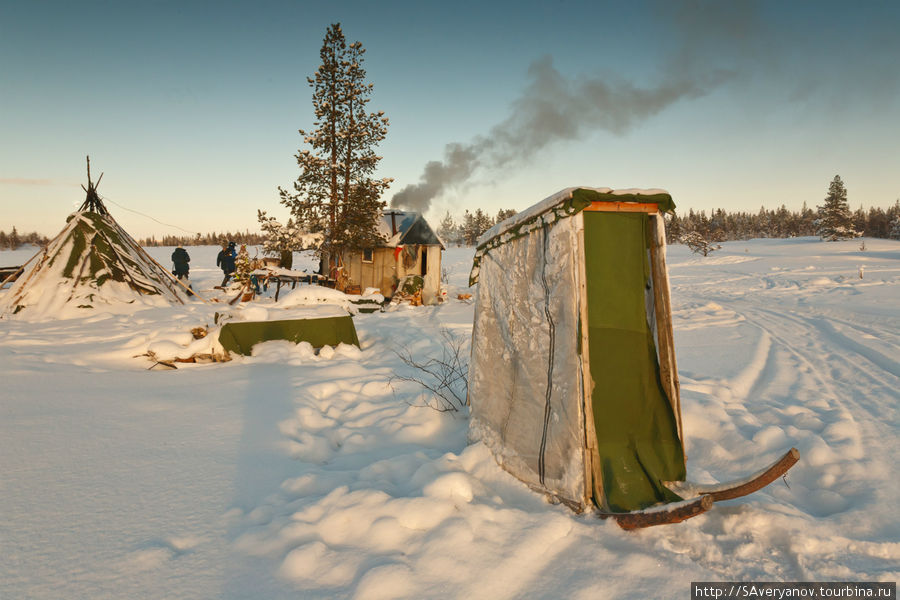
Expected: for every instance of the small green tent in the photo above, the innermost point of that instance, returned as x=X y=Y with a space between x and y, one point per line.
x=573 y=383
x=240 y=337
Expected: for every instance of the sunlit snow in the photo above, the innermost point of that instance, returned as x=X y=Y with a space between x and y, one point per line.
x=293 y=473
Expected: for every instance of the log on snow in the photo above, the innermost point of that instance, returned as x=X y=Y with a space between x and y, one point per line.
x=675 y=512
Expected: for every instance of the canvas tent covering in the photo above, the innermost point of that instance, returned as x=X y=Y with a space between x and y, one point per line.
x=93 y=262
x=573 y=383
x=318 y=331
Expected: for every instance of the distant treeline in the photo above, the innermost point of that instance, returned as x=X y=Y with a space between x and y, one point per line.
x=721 y=226
x=14 y=239
x=209 y=239
x=718 y=225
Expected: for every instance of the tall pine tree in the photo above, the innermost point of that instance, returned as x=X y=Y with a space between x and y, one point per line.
x=336 y=194
x=835 y=221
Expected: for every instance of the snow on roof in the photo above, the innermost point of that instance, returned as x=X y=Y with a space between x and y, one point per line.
x=561 y=205
x=406 y=227
x=550 y=202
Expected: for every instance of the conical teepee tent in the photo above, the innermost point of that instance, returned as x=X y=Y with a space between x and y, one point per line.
x=93 y=262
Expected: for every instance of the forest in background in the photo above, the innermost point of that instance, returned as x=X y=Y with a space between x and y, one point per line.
x=718 y=225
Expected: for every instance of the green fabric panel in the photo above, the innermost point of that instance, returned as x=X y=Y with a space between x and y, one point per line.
x=79 y=243
x=637 y=437
x=241 y=337
x=664 y=201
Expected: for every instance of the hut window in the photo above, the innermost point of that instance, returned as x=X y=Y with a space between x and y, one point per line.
x=424 y=261
x=368 y=255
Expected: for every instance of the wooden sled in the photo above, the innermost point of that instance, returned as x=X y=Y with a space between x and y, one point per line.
x=700 y=497
x=664 y=514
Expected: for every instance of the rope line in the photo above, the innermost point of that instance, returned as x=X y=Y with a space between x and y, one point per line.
x=105 y=199
x=551 y=352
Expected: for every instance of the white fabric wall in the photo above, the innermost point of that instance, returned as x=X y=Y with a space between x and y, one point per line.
x=512 y=354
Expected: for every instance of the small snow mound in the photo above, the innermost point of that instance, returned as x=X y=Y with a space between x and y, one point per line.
x=254 y=313
x=316 y=295
x=820 y=282
x=824 y=503
x=373 y=294
x=347 y=351
x=770 y=438
x=386 y=581
x=283 y=351
x=181 y=344
x=147 y=559
x=316 y=562
x=451 y=486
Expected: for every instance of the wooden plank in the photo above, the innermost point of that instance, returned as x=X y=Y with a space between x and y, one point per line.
x=644 y=207
x=8 y=275
x=593 y=482
x=668 y=367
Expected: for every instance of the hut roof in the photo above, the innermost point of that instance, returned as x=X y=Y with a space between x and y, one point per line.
x=401 y=227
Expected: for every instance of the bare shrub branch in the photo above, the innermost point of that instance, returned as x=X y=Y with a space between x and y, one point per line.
x=446 y=377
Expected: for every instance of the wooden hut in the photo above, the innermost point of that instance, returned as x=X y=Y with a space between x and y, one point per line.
x=411 y=248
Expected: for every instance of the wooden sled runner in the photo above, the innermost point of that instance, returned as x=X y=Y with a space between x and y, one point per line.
x=700 y=497
x=665 y=514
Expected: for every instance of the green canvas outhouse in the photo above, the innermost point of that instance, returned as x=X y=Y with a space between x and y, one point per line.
x=572 y=382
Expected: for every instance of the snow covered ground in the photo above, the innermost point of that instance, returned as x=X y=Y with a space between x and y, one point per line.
x=293 y=475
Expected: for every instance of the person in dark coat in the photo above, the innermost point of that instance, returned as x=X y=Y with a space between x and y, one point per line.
x=180 y=258
x=225 y=259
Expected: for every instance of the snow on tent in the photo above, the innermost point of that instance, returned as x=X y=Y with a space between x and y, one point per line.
x=93 y=262
x=573 y=381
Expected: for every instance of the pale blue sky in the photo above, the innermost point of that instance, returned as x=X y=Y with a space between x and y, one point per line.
x=191 y=109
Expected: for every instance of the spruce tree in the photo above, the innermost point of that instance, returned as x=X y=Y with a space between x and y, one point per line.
x=448 y=230
x=336 y=194
x=835 y=221
x=13 y=240
x=894 y=233
x=504 y=214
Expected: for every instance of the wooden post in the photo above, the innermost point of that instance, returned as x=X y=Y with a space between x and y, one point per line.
x=668 y=368
x=593 y=481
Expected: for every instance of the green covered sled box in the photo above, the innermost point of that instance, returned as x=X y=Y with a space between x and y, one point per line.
x=240 y=337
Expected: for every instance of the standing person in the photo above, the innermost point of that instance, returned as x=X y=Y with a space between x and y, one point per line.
x=225 y=259
x=180 y=258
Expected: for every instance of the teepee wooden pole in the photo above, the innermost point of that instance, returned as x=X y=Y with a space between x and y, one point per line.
x=134 y=284
x=37 y=267
x=22 y=268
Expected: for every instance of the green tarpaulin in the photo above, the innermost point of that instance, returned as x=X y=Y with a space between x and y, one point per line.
x=587 y=196
x=329 y=331
x=637 y=436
